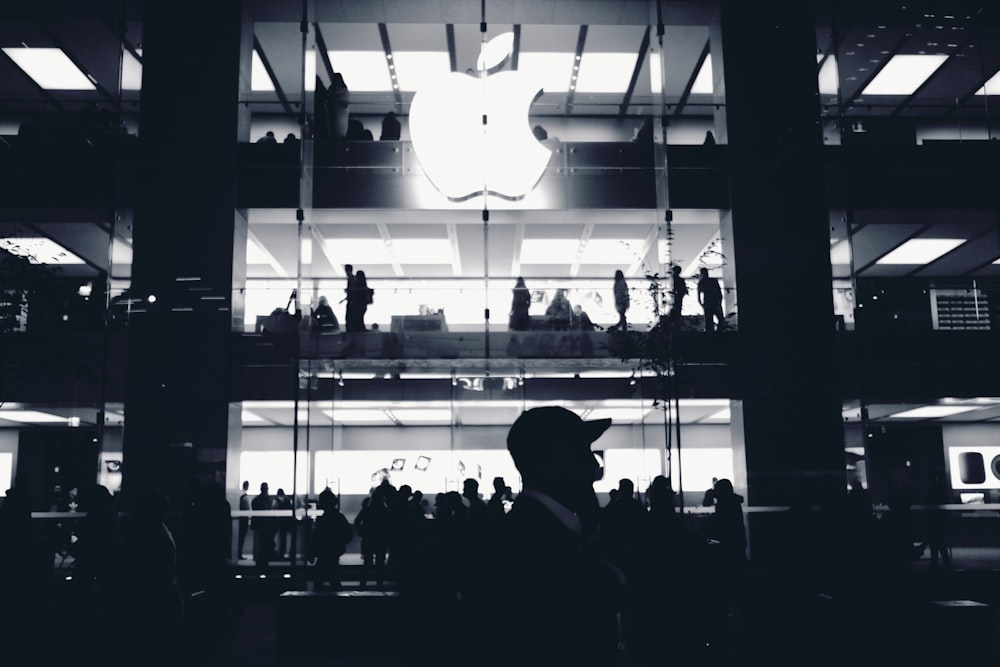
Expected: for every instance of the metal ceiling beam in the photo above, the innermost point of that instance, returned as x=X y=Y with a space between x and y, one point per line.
x=846 y=104
x=640 y=58
x=449 y=34
x=581 y=41
x=691 y=79
x=324 y=52
x=383 y=33
x=274 y=79
x=516 y=49
x=921 y=230
x=909 y=100
x=108 y=97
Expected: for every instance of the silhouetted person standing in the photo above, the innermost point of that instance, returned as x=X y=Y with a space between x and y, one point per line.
x=244 y=521
x=710 y=298
x=559 y=312
x=621 y=300
x=679 y=289
x=323 y=318
x=358 y=298
x=726 y=559
x=391 y=127
x=264 y=528
x=549 y=600
x=330 y=539
x=519 y=305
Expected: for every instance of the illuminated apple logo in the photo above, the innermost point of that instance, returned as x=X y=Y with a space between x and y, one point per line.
x=464 y=157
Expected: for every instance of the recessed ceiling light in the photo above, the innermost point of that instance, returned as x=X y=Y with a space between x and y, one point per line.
x=932 y=411
x=612 y=251
x=356 y=251
x=722 y=415
x=904 y=74
x=38 y=250
x=423 y=251
x=549 y=251
x=920 y=251
x=423 y=415
x=50 y=68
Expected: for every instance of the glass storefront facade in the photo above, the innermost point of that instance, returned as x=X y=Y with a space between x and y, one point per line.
x=625 y=154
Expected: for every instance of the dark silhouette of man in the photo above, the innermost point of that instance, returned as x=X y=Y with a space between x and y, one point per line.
x=710 y=298
x=679 y=289
x=244 y=525
x=551 y=600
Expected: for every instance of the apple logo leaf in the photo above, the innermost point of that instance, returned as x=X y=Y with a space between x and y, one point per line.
x=496 y=52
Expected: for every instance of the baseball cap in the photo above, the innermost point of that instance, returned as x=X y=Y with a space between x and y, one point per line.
x=552 y=427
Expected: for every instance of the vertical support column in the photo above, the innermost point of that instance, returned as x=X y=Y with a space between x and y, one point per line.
x=181 y=342
x=787 y=421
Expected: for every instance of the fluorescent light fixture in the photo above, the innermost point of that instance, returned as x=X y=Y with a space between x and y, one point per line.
x=414 y=69
x=549 y=251
x=903 y=74
x=605 y=72
x=612 y=251
x=419 y=415
x=50 y=68
x=422 y=251
x=39 y=250
x=31 y=417
x=655 y=75
x=932 y=411
x=131 y=70
x=552 y=71
x=260 y=80
x=920 y=251
x=703 y=84
x=829 y=75
x=357 y=251
x=306 y=247
x=310 y=70
x=363 y=71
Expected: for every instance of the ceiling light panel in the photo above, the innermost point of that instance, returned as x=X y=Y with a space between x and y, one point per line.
x=357 y=251
x=423 y=415
x=30 y=417
x=552 y=71
x=131 y=71
x=904 y=74
x=932 y=412
x=920 y=251
x=612 y=251
x=422 y=251
x=358 y=416
x=549 y=251
x=50 y=68
x=991 y=87
x=414 y=69
x=38 y=250
x=605 y=72
x=363 y=71
x=829 y=76
x=260 y=80
x=703 y=83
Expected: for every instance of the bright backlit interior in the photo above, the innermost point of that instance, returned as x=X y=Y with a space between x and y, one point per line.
x=829 y=77
x=39 y=250
x=991 y=87
x=414 y=69
x=6 y=471
x=131 y=70
x=31 y=417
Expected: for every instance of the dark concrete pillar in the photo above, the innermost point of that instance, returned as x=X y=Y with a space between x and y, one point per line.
x=787 y=421
x=186 y=235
